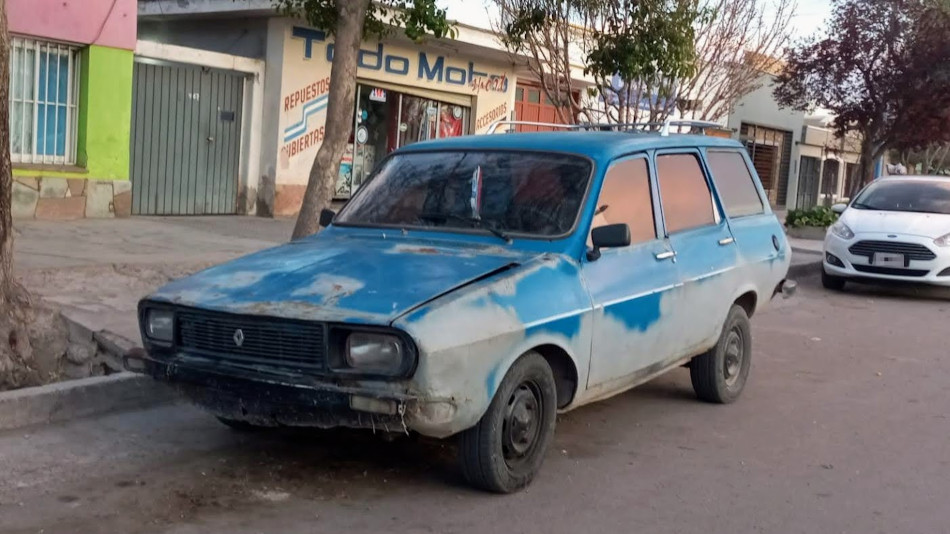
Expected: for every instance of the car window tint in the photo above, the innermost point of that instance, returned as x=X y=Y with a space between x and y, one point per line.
x=686 y=200
x=734 y=183
x=625 y=198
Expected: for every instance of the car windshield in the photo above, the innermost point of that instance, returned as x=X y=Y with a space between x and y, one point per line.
x=502 y=192
x=918 y=196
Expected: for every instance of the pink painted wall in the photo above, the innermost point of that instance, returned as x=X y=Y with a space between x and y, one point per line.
x=102 y=22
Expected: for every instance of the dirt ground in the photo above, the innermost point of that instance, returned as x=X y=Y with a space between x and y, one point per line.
x=842 y=429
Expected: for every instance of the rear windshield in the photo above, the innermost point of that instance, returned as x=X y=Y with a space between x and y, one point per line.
x=527 y=193
x=918 y=196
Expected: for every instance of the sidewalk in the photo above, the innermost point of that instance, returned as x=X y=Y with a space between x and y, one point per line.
x=98 y=269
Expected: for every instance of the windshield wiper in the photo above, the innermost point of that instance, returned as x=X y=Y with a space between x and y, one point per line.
x=474 y=221
x=863 y=206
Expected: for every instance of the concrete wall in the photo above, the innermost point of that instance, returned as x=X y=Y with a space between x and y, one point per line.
x=246 y=37
x=759 y=108
x=102 y=22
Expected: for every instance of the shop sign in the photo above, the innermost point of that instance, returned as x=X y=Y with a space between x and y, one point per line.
x=377 y=95
x=425 y=67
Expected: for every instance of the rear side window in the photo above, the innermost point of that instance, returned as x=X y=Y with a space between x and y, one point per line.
x=687 y=202
x=625 y=198
x=734 y=183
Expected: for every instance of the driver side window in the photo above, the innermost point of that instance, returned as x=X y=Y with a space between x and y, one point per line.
x=625 y=198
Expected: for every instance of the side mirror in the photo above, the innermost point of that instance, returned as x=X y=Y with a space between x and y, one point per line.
x=839 y=208
x=610 y=236
x=326 y=217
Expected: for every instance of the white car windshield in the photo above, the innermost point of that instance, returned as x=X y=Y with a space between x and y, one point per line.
x=918 y=196
x=504 y=192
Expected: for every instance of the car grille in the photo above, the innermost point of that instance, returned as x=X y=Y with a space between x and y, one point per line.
x=265 y=340
x=891 y=271
x=911 y=251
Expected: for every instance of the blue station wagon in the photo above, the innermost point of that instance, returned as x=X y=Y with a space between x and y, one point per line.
x=476 y=286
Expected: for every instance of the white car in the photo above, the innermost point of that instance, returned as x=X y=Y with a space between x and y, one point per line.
x=897 y=228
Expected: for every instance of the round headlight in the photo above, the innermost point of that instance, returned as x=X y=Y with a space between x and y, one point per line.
x=160 y=325
x=374 y=353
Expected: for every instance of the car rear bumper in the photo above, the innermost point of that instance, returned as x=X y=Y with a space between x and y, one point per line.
x=840 y=261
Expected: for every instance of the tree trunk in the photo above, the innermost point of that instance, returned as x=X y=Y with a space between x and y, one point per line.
x=340 y=105
x=865 y=165
x=16 y=352
x=6 y=172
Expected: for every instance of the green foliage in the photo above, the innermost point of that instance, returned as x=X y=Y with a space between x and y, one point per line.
x=417 y=18
x=645 y=40
x=639 y=40
x=819 y=216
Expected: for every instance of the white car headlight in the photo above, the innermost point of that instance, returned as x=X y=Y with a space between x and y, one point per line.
x=841 y=230
x=375 y=353
x=943 y=241
x=160 y=325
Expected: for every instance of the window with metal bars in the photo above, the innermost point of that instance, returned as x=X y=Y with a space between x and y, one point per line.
x=44 y=92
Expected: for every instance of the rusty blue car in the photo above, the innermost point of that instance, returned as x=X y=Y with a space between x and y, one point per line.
x=477 y=286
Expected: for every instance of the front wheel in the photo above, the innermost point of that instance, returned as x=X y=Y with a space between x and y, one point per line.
x=504 y=451
x=720 y=374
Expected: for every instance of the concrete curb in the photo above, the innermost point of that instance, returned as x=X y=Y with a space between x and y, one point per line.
x=85 y=397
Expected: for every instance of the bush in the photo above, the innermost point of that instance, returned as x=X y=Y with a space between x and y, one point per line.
x=819 y=216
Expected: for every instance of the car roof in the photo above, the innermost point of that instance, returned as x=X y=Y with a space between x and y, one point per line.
x=596 y=145
x=915 y=178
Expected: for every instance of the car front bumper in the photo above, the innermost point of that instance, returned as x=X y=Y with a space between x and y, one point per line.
x=855 y=266
x=277 y=398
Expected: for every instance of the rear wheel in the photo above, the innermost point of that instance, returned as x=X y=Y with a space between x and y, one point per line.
x=504 y=451
x=720 y=375
x=830 y=281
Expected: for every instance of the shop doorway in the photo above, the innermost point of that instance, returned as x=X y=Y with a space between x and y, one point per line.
x=387 y=119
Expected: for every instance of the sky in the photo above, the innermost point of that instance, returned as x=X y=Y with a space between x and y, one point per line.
x=809 y=17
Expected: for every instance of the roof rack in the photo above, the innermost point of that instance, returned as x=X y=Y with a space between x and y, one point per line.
x=662 y=127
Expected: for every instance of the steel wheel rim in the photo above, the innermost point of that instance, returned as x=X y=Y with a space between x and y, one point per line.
x=733 y=357
x=521 y=430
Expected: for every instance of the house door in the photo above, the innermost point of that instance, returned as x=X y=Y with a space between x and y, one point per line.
x=186 y=139
x=808 y=179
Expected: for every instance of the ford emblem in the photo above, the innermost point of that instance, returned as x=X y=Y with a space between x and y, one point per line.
x=892 y=236
x=238 y=337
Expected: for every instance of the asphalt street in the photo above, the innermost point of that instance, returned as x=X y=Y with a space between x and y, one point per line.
x=842 y=429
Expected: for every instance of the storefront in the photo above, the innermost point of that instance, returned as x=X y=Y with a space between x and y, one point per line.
x=386 y=118
x=405 y=94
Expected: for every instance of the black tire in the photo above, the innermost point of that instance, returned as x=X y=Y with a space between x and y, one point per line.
x=832 y=282
x=504 y=451
x=720 y=375
x=240 y=426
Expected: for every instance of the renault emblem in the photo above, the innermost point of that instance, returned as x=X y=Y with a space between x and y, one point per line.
x=238 y=337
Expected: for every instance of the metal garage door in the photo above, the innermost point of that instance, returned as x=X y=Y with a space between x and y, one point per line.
x=186 y=139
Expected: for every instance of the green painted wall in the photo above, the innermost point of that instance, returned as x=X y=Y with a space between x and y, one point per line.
x=105 y=115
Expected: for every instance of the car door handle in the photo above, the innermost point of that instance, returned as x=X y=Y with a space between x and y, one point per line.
x=660 y=256
x=727 y=241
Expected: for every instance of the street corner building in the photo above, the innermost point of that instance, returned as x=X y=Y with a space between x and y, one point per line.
x=256 y=86
x=71 y=65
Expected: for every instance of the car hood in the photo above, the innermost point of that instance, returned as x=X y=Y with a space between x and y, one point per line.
x=369 y=280
x=932 y=225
